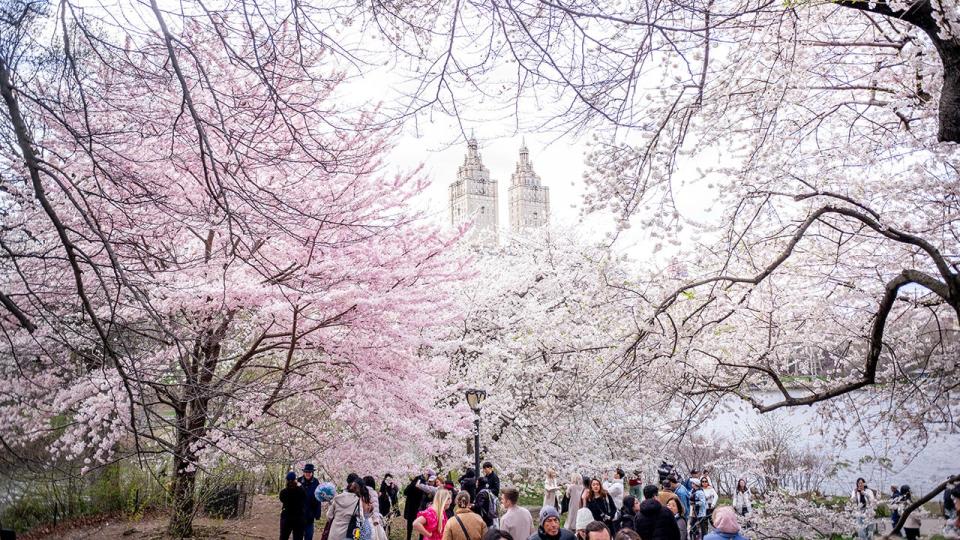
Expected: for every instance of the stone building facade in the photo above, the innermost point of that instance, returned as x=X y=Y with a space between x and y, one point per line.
x=474 y=197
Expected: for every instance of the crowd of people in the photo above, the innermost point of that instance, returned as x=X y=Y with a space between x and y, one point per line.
x=864 y=501
x=476 y=507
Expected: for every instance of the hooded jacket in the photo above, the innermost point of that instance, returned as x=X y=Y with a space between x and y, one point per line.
x=341 y=508
x=656 y=522
x=717 y=535
x=565 y=534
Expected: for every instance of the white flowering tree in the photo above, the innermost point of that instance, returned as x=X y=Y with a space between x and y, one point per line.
x=824 y=136
x=545 y=316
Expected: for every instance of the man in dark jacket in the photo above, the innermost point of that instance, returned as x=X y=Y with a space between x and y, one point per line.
x=485 y=505
x=550 y=526
x=414 y=497
x=493 y=481
x=311 y=506
x=654 y=521
x=468 y=482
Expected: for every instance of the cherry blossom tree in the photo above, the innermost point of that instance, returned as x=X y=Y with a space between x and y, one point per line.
x=824 y=137
x=545 y=316
x=203 y=258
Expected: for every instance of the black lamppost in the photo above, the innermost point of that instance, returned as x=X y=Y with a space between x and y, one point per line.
x=474 y=399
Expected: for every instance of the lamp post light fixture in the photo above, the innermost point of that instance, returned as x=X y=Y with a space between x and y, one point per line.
x=474 y=398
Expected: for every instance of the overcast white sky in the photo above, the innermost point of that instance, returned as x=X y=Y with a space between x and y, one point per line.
x=500 y=119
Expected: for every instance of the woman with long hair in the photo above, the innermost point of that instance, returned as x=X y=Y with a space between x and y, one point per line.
x=387 y=498
x=585 y=494
x=628 y=513
x=863 y=500
x=349 y=513
x=551 y=490
x=601 y=504
x=574 y=498
x=430 y=523
x=741 y=498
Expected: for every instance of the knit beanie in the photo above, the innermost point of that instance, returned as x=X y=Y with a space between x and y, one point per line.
x=548 y=512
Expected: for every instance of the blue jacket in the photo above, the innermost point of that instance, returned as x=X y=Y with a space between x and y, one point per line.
x=701 y=500
x=683 y=494
x=717 y=535
x=311 y=506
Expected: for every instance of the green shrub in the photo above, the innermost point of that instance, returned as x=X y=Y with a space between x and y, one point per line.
x=116 y=489
x=882 y=511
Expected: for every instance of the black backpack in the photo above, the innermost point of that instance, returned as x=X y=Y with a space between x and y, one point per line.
x=486 y=506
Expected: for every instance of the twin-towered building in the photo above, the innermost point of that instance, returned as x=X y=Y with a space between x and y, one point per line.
x=474 y=196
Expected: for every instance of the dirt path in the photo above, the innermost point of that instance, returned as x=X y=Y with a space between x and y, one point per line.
x=262 y=522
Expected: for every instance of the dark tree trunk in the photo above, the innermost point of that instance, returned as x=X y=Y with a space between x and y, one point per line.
x=921 y=15
x=191 y=424
x=184 y=479
x=950 y=94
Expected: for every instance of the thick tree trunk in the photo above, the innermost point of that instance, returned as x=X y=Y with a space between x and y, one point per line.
x=184 y=504
x=184 y=481
x=921 y=14
x=950 y=94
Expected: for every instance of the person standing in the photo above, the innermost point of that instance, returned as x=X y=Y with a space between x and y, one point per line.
x=725 y=525
x=628 y=513
x=584 y=518
x=636 y=485
x=414 y=499
x=741 y=498
x=346 y=509
x=664 y=470
x=486 y=503
x=550 y=526
x=601 y=504
x=311 y=506
x=666 y=493
x=551 y=490
x=654 y=522
x=493 y=481
x=698 y=511
x=516 y=519
x=678 y=517
x=292 y=499
x=468 y=482
x=711 y=496
x=615 y=487
x=431 y=522
x=574 y=499
x=948 y=511
x=681 y=492
x=911 y=528
x=465 y=524
x=694 y=478
x=387 y=498
x=863 y=501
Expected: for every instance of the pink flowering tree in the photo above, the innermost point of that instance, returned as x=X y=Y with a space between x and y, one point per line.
x=204 y=259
